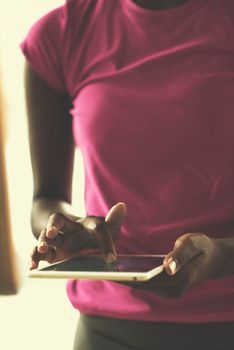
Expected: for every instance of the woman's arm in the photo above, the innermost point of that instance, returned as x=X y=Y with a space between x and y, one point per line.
x=51 y=148
x=60 y=233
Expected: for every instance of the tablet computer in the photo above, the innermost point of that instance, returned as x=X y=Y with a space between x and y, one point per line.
x=93 y=267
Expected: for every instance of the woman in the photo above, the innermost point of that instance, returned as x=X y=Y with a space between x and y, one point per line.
x=149 y=85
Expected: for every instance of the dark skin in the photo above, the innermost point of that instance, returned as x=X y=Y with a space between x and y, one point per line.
x=61 y=234
x=159 y=4
x=51 y=145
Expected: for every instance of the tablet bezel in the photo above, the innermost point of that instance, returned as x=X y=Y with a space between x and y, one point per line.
x=100 y=275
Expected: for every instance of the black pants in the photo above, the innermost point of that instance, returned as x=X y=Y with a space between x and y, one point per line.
x=101 y=333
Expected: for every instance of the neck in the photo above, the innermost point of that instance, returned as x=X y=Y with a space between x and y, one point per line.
x=159 y=4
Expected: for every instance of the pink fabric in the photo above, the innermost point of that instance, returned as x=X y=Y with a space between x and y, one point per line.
x=153 y=114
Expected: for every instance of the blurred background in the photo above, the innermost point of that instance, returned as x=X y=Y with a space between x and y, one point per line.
x=40 y=315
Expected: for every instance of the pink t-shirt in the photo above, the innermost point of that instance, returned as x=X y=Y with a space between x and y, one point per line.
x=153 y=115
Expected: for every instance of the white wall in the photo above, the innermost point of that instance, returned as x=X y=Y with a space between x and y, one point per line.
x=41 y=306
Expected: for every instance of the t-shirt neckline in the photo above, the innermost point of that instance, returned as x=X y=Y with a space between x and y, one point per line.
x=174 y=12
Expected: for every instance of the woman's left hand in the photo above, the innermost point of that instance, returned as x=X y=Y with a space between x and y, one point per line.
x=195 y=257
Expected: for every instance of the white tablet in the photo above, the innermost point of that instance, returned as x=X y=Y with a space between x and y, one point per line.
x=126 y=268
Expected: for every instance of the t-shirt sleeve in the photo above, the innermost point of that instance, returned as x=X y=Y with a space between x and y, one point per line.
x=43 y=48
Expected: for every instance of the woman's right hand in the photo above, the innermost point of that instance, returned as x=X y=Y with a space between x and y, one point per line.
x=64 y=238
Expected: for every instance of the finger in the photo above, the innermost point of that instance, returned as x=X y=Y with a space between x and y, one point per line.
x=42 y=246
x=186 y=248
x=49 y=256
x=44 y=243
x=113 y=220
x=104 y=237
x=59 y=223
x=55 y=224
x=56 y=242
x=36 y=257
x=116 y=216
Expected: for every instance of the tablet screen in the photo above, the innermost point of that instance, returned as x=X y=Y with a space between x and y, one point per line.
x=124 y=263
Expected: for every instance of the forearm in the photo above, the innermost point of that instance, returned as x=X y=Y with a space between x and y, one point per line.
x=42 y=209
x=51 y=148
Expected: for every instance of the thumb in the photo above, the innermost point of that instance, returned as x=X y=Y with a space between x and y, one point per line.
x=116 y=216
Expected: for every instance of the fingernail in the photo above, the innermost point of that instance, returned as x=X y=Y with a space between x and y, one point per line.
x=110 y=258
x=52 y=230
x=42 y=247
x=172 y=266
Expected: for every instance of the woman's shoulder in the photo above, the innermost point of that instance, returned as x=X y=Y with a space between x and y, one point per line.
x=63 y=21
x=72 y=11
